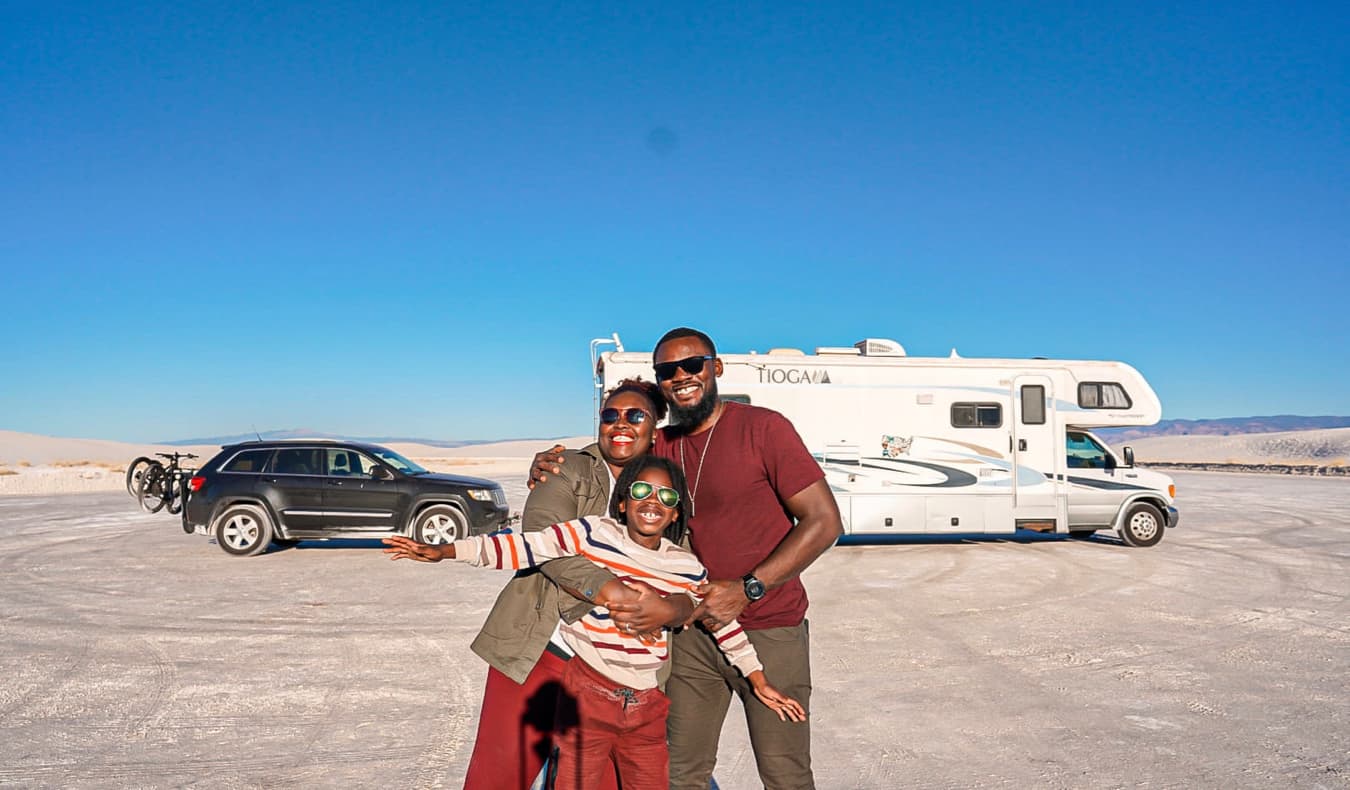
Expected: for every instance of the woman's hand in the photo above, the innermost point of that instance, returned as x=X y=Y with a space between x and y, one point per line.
x=545 y=464
x=787 y=708
x=647 y=611
x=401 y=548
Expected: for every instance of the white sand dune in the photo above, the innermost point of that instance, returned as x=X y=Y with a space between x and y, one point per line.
x=31 y=464
x=1324 y=447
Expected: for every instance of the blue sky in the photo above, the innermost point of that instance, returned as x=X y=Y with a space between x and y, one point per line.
x=411 y=218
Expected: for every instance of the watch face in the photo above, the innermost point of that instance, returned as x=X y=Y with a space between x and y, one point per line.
x=754 y=588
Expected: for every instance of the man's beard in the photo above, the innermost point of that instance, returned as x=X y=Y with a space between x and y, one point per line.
x=690 y=417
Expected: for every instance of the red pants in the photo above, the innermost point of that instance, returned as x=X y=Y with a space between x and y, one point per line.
x=515 y=729
x=602 y=723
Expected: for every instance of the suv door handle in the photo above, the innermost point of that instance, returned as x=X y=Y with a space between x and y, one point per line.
x=333 y=482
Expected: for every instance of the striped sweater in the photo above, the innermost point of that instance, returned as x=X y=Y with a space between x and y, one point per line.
x=669 y=568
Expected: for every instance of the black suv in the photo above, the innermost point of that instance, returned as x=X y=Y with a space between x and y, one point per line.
x=254 y=493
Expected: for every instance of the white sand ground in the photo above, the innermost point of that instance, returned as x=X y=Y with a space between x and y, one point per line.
x=34 y=465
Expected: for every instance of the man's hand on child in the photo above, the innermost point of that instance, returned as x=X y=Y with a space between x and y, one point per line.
x=787 y=708
x=723 y=601
x=401 y=548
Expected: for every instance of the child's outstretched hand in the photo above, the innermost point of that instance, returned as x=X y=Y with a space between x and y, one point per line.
x=401 y=548
x=787 y=708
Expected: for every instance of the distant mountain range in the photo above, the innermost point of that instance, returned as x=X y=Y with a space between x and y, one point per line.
x=1224 y=426
x=306 y=433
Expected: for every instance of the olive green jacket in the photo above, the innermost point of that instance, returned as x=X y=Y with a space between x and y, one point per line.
x=522 y=620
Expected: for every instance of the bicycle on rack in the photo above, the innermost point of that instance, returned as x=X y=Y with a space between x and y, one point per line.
x=135 y=471
x=160 y=486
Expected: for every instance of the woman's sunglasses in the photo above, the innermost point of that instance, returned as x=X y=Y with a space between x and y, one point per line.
x=633 y=416
x=690 y=365
x=640 y=490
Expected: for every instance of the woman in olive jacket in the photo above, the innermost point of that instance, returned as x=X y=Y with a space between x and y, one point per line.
x=520 y=638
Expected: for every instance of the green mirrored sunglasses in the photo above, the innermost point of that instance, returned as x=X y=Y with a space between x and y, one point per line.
x=640 y=490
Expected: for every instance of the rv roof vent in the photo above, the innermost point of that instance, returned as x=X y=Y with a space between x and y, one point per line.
x=879 y=347
x=954 y=354
x=843 y=351
x=787 y=352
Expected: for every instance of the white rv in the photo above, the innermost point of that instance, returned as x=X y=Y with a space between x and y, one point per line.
x=917 y=445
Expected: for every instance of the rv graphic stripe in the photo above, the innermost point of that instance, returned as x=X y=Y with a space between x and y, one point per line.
x=953 y=478
x=1105 y=485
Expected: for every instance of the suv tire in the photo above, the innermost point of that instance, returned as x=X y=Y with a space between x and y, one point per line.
x=243 y=530
x=440 y=524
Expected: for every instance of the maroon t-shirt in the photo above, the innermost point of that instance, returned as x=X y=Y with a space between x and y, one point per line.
x=753 y=465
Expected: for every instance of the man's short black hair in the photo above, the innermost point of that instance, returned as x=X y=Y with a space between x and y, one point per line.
x=676 y=529
x=684 y=331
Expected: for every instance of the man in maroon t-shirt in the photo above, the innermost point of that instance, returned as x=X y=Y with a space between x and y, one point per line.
x=760 y=513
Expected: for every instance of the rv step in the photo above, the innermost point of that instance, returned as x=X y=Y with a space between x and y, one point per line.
x=1037 y=525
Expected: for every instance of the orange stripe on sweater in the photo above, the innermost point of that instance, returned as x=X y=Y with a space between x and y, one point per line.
x=634 y=571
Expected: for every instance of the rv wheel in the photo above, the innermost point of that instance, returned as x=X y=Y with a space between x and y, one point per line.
x=1143 y=526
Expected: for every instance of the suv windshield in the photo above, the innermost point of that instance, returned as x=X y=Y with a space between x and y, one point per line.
x=399 y=462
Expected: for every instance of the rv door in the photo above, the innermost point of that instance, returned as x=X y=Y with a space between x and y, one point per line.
x=1037 y=490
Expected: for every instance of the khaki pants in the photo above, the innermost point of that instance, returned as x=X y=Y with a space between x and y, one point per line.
x=700 y=688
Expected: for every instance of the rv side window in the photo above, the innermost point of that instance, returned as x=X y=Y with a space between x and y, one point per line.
x=1102 y=395
x=737 y=398
x=1033 y=404
x=977 y=415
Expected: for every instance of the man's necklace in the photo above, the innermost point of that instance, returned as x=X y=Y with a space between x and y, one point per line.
x=693 y=492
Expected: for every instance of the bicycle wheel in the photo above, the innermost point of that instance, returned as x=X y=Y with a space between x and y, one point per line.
x=134 y=472
x=153 y=488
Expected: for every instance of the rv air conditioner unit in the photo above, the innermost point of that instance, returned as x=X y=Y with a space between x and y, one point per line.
x=879 y=347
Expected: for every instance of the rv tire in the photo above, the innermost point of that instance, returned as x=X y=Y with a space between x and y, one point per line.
x=1143 y=526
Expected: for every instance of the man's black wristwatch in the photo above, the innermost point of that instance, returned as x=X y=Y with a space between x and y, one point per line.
x=754 y=588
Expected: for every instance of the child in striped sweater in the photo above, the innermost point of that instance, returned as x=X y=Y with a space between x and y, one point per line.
x=611 y=699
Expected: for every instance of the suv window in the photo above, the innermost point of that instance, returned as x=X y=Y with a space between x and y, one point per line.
x=247 y=461
x=297 y=461
x=348 y=463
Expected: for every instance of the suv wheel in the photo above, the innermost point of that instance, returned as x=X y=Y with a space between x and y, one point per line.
x=243 y=530
x=440 y=524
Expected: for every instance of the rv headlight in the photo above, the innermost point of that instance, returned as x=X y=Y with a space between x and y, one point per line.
x=481 y=494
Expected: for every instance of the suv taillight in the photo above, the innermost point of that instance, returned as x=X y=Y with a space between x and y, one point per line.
x=196 y=483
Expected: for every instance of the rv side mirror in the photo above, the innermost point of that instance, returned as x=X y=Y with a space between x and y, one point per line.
x=1129 y=455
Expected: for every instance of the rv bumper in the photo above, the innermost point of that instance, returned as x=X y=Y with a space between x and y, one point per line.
x=1173 y=517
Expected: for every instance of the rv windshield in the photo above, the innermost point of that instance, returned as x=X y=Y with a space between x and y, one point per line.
x=1085 y=453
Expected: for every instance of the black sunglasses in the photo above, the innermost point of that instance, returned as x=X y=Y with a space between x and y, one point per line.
x=633 y=416
x=690 y=365
x=641 y=489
